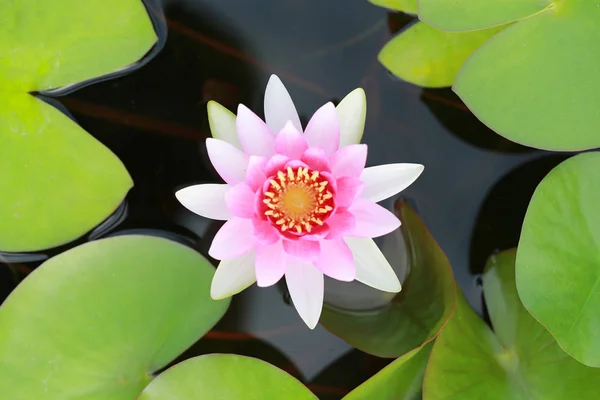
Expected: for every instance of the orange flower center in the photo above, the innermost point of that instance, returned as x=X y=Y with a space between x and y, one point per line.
x=297 y=200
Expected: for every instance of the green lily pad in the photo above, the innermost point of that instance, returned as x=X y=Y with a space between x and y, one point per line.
x=401 y=380
x=425 y=56
x=49 y=44
x=468 y=15
x=225 y=377
x=520 y=360
x=94 y=322
x=533 y=82
x=558 y=262
x=59 y=182
x=406 y=6
x=417 y=313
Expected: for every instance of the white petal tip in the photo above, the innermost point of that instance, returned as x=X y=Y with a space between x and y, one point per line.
x=311 y=323
x=311 y=320
x=219 y=296
x=395 y=288
x=358 y=93
x=220 y=293
x=416 y=170
x=390 y=285
x=274 y=78
x=352 y=112
x=180 y=194
x=182 y=197
x=224 y=290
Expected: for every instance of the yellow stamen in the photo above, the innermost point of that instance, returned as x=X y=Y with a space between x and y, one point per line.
x=297 y=199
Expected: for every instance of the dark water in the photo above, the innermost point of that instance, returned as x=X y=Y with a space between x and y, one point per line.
x=472 y=195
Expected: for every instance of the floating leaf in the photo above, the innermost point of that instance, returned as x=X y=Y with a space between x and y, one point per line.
x=94 y=322
x=225 y=377
x=558 y=262
x=468 y=15
x=416 y=314
x=49 y=44
x=520 y=361
x=401 y=380
x=59 y=182
x=428 y=57
x=407 y=6
x=243 y=344
x=533 y=82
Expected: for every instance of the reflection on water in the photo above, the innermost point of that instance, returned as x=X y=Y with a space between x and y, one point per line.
x=155 y=120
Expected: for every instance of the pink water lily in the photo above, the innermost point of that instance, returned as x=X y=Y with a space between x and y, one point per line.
x=299 y=204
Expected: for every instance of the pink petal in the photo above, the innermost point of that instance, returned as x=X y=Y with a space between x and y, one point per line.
x=323 y=129
x=276 y=163
x=347 y=189
x=306 y=285
x=372 y=220
x=270 y=264
x=341 y=224
x=332 y=182
x=316 y=159
x=240 y=200
x=302 y=248
x=234 y=238
x=255 y=175
x=318 y=232
x=290 y=142
x=349 y=160
x=336 y=260
x=295 y=164
x=279 y=107
x=265 y=232
x=256 y=138
x=230 y=162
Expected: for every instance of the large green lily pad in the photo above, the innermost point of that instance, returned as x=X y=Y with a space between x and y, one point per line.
x=533 y=83
x=417 y=313
x=225 y=377
x=520 y=360
x=558 y=262
x=401 y=380
x=469 y=15
x=94 y=322
x=58 y=182
x=428 y=57
x=49 y=44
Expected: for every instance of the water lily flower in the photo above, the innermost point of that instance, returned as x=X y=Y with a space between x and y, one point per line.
x=298 y=203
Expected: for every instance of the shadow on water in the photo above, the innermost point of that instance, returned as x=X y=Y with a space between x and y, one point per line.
x=154 y=119
x=498 y=224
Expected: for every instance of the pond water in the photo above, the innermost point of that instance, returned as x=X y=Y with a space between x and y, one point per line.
x=472 y=195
